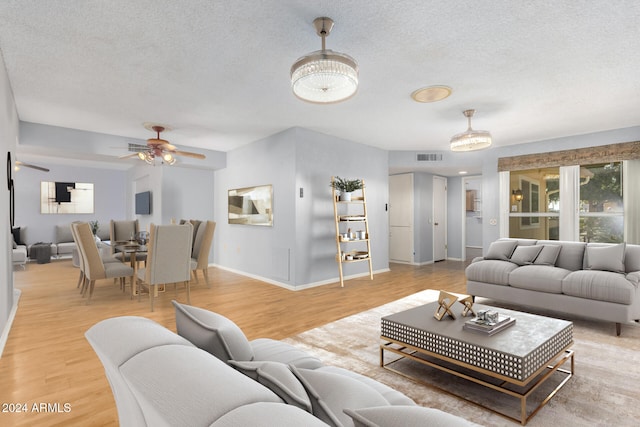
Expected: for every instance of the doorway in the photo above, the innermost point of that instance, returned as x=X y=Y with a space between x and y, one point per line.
x=472 y=217
x=439 y=218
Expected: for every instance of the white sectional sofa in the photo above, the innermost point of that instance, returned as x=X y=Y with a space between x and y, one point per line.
x=213 y=376
x=596 y=280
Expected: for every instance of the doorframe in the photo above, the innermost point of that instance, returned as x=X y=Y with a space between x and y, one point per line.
x=412 y=220
x=464 y=211
x=433 y=226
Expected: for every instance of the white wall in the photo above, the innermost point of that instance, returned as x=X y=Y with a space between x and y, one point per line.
x=300 y=248
x=8 y=139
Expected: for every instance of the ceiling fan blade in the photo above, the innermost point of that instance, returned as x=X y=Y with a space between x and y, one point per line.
x=27 y=165
x=189 y=154
x=128 y=156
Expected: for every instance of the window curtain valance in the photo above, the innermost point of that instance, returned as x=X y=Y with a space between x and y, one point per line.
x=578 y=156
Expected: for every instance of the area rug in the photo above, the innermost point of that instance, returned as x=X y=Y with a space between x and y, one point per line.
x=604 y=391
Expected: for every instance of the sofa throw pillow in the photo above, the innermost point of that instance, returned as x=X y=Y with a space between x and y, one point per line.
x=401 y=416
x=501 y=249
x=606 y=258
x=548 y=255
x=524 y=255
x=16 y=236
x=212 y=332
x=332 y=393
x=278 y=378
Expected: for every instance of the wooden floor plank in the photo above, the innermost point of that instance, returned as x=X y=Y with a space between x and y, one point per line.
x=48 y=360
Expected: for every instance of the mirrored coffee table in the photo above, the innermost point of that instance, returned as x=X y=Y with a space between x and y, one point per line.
x=516 y=361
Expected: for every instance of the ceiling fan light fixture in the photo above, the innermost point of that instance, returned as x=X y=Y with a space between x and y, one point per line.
x=324 y=76
x=470 y=140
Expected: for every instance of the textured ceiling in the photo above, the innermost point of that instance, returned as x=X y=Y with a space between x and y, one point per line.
x=217 y=72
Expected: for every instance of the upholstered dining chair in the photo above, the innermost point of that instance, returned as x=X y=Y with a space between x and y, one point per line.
x=168 y=258
x=121 y=231
x=94 y=267
x=105 y=257
x=201 y=249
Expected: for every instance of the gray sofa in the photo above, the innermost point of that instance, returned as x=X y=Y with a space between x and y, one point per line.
x=216 y=377
x=595 y=280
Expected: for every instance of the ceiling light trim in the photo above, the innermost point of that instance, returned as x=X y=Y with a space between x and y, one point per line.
x=470 y=140
x=431 y=93
x=324 y=76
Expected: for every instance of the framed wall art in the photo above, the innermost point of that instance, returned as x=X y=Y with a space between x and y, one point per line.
x=66 y=197
x=251 y=205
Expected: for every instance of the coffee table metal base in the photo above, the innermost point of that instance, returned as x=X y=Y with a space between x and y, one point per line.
x=413 y=353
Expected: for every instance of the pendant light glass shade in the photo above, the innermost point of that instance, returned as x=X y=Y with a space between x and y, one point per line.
x=324 y=76
x=470 y=139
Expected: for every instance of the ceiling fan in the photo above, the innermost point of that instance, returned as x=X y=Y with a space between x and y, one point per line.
x=158 y=148
x=19 y=164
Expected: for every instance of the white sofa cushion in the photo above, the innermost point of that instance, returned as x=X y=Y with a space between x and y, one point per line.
x=571 y=256
x=332 y=393
x=402 y=416
x=543 y=278
x=605 y=258
x=264 y=414
x=501 y=249
x=277 y=351
x=212 y=332
x=599 y=285
x=278 y=378
x=524 y=255
x=490 y=271
x=548 y=255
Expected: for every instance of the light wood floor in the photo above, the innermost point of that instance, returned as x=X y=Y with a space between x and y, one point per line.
x=47 y=359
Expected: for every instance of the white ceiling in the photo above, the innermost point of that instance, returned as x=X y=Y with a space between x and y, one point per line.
x=217 y=72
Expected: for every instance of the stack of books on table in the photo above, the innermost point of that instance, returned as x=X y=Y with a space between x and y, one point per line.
x=487 y=327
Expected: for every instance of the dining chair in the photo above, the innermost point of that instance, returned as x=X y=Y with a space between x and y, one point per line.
x=201 y=249
x=105 y=257
x=122 y=231
x=94 y=267
x=168 y=258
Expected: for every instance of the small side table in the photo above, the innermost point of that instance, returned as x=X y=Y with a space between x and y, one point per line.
x=41 y=252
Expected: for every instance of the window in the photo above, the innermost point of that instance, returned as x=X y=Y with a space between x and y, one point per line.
x=601 y=203
x=535 y=203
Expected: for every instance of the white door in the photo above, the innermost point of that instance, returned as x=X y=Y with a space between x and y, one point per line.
x=439 y=218
x=401 y=218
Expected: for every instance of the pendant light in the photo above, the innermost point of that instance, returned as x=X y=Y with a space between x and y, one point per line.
x=470 y=140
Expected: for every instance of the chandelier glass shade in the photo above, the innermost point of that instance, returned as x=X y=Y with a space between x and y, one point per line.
x=324 y=76
x=470 y=139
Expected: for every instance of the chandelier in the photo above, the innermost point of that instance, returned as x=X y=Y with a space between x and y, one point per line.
x=470 y=139
x=151 y=155
x=324 y=76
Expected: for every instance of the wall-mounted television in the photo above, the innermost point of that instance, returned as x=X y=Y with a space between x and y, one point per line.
x=143 y=203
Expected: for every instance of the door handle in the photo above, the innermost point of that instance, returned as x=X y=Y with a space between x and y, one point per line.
x=435 y=223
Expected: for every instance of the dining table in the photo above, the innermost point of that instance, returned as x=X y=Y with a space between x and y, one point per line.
x=131 y=249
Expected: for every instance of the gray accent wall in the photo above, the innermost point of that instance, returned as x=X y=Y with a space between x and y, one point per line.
x=299 y=249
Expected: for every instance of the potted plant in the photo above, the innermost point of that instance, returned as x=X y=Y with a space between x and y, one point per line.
x=346 y=187
x=94 y=229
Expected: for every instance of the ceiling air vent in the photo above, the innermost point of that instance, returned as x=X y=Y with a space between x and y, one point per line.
x=429 y=157
x=137 y=148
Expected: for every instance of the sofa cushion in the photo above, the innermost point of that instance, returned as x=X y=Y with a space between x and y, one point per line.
x=332 y=393
x=278 y=378
x=599 y=285
x=524 y=255
x=571 y=256
x=66 y=248
x=501 y=249
x=212 y=332
x=394 y=397
x=632 y=258
x=605 y=258
x=543 y=278
x=63 y=233
x=548 y=255
x=155 y=374
x=490 y=271
x=267 y=414
x=402 y=416
x=267 y=349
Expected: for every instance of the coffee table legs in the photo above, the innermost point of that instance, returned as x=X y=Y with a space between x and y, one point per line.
x=555 y=366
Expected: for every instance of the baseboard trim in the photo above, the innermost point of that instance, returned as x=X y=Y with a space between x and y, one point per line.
x=5 y=333
x=292 y=287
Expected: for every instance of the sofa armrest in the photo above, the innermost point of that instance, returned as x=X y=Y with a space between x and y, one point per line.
x=634 y=277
